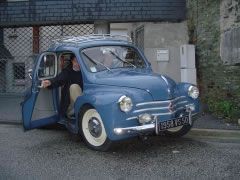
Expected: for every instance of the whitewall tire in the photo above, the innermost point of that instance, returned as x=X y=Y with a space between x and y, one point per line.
x=93 y=131
x=176 y=129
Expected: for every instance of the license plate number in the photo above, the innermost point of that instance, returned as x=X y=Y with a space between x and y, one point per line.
x=173 y=123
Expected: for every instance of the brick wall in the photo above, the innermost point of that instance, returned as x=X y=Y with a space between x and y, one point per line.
x=219 y=82
x=80 y=11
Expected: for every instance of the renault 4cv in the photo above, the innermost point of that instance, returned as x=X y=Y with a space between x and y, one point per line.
x=122 y=97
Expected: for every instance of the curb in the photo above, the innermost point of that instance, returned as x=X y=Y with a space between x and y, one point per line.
x=10 y=122
x=217 y=133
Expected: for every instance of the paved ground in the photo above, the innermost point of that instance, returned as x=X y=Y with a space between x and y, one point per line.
x=10 y=110
x=48 y=154
x=208 y=121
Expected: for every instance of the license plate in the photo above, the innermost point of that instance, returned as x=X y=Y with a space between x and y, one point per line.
x=173 y=123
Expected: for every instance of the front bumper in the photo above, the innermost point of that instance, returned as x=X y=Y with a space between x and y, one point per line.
x=135 y=129
x=146 y=128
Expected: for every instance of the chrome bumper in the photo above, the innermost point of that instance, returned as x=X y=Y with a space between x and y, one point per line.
x=144 y=128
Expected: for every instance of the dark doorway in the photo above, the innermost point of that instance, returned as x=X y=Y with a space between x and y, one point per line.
x=2 y=77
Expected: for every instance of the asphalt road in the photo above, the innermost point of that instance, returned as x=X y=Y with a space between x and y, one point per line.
x=48 y=154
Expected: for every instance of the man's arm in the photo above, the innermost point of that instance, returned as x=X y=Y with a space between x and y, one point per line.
x=58 y=81
x=46 y=83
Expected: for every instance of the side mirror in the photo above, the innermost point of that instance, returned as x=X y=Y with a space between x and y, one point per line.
x=30 y=73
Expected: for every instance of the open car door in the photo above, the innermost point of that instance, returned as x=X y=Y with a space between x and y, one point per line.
x=40 y=106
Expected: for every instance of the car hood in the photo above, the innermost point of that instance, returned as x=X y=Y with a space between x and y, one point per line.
x=160 y=87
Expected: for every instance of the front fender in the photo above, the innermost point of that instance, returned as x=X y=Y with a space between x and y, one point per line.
x=105 y=101
x=102 y=103
x=183 y=91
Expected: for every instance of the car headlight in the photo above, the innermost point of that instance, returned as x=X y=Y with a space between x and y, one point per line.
x=193 y=92
x=125 y=103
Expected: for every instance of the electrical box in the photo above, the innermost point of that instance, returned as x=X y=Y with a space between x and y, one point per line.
x=189 y=76
x=162 y=55
x=187 y=56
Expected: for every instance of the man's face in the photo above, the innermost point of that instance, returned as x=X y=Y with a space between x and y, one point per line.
x=75 y=64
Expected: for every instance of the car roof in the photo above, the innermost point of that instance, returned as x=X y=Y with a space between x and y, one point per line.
x=90 y=40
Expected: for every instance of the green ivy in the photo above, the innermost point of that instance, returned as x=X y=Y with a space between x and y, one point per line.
x=219 y=84
x=222 y=106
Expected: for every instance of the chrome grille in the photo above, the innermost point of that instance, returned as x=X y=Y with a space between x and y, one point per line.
x=160 y=108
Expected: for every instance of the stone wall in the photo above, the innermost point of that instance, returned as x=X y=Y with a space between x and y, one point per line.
x=209 y=22
x=230 y=31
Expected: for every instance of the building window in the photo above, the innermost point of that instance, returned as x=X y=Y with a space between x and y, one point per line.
x=139 y=33
x=19 y=73
x=132 y=37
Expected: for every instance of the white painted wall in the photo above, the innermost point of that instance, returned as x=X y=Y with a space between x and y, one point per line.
x=169 y=36
x=121 y=29
x=157 y=36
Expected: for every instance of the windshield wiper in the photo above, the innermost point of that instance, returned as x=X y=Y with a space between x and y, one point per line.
x=122 y=59
x=95 y=62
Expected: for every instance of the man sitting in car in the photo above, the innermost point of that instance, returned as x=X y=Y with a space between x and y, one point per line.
x=70 y=79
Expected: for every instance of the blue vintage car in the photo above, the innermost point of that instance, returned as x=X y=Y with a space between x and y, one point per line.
x=122 y=97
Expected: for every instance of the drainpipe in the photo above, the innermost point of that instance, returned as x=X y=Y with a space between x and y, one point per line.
x=35 y=45
x=1 y=36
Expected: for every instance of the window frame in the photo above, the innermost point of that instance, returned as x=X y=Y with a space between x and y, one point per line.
x=16 y=66
x=18 y=82
x=55 y=66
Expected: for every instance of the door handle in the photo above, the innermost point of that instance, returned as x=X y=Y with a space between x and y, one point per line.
x=41 y=86
x=37 y=87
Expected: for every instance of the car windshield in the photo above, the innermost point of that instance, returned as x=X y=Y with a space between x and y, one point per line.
x=111 y=57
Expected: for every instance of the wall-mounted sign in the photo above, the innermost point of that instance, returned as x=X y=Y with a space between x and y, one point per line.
x=162 y=55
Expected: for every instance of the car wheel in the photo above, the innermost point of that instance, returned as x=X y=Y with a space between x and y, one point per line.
x=93 y=131
x=178 y=131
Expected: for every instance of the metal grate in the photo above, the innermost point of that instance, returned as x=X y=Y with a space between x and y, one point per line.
x=19 y=48
x=161 y=108
x=49 y=33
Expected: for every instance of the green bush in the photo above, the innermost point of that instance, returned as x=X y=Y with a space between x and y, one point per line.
x=222 y=106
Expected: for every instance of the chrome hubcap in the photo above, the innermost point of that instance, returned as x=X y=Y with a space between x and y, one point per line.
x=95 y=127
